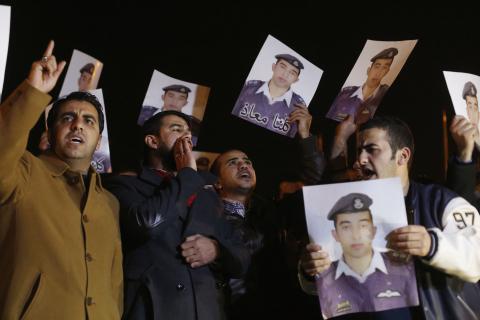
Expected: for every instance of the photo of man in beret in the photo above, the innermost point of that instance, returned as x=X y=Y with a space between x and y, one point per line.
x=175 y=97
x=269 y=103
x=469 y=94
x=85 y=79
x=363 y=279
x=361 y=102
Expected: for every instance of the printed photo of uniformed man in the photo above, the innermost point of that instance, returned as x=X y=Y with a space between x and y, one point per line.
x=463 y=89
x=4 y=38
x=167 y=93
x=101 y=157
x=83 y=73
x=280 y=81
x=350 y=221
x=376 y=68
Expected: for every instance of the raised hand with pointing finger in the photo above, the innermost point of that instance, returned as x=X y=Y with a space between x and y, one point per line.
x=46 y=71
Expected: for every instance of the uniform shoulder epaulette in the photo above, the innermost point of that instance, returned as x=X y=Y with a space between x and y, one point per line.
x=298 y=99
x=350 y=88
x=252 y=83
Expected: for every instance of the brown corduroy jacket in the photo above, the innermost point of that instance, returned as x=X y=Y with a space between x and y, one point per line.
x=60 y=249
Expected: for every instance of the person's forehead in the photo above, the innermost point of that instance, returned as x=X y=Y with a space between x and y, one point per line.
x=234 y=154
x=173 y=119
x=175 y=93
x=352 y=216
x=375 y=135
x=86 y=74
x=382 y=61
x=471 y=98
x=78 y=106
x=288 y=64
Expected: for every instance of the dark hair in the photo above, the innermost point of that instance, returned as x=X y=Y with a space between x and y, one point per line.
x=76 y=96
x=398 y=132
x=215 y=167
x=153 y=124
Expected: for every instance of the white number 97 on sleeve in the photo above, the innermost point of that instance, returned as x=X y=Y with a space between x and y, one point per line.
x=458 y=215
x=464 y=219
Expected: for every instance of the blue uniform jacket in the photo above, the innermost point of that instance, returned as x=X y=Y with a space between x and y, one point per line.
x=380 y=291
x=255 y=108
x=360 y=110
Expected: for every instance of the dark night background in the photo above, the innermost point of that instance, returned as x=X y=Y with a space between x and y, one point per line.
x=215 y=44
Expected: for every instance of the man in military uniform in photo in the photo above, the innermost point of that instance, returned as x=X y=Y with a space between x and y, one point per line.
x=86 y=77
x=269 y=103
x=175 y=97
x=361 y=102
x=469 y=94
x=363 y=279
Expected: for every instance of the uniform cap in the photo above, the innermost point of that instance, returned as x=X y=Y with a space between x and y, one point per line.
x=178 y=88
x=388 y=53
x=88 y=68
x=469 y=90
x=290 y=59
x=351 y=203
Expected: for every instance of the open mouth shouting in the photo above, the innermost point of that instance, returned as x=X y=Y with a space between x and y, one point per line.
x=244 y=174
x=368 y=173
x=75 y=139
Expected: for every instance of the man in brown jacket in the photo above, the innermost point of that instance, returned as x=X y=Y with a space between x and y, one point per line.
x=60 y=250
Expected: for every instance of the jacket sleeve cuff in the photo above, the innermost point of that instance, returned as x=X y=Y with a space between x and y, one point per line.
x=461 y=162
x=307 y=283
x=433 y=245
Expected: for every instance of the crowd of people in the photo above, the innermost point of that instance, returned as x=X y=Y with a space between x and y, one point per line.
x=169 y=241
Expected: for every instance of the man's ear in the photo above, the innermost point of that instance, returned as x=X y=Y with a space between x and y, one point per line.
x=403 y=156
x=99 y=142
x=50 y=137
x=368 y=70
x=217 y=186
x=151 y=141
x=273 y=66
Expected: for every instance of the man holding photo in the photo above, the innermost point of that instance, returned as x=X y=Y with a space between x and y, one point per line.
x=443 y=235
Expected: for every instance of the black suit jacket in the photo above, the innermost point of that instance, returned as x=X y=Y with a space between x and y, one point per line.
x=156 y=216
